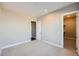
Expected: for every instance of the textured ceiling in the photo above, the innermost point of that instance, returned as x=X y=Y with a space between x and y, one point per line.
x=34 y=9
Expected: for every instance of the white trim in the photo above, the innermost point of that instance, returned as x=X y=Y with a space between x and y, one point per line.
x=70 y=12
x=7 y=46
x=0 y=51
x=63 y=23
x=52 y=43
x=62 y=33
x=77 y=33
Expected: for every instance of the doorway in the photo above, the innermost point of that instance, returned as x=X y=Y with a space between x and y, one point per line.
x=33 y=30
x=70 y=31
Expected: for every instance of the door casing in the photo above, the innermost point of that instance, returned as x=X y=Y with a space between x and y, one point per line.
x=77 y=30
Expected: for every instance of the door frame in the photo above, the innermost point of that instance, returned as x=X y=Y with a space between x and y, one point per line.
x=77 y=12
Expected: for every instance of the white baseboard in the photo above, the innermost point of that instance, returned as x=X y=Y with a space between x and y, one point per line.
x=0 y=51
x=52 y=44
x=7 y=46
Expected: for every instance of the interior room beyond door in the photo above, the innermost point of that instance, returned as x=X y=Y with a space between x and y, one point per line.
x=33 y=30
x=70 y=31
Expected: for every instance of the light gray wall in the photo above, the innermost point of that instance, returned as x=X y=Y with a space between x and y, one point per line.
x=0 y=26
x=38 y=30
x=14 y=28
x=52 y=24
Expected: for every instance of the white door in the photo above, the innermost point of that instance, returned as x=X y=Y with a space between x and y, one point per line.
x=38 y=30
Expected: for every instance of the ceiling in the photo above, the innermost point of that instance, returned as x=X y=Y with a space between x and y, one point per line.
x=34 y=9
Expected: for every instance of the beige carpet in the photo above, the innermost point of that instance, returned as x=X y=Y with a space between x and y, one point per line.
x=37 y=48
